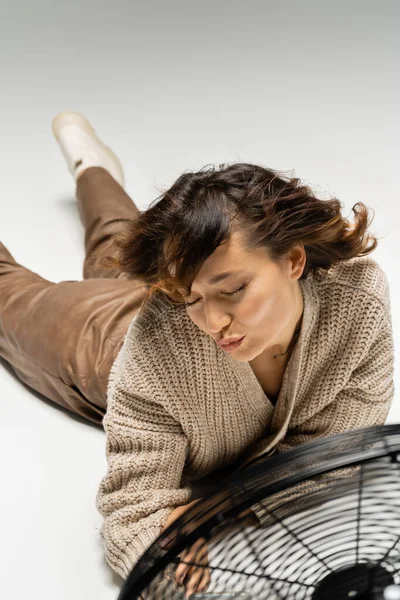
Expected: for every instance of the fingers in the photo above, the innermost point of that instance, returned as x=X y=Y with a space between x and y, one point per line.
x=190 y=555
x=195 y=578
x=198 y=581
x=204 y=581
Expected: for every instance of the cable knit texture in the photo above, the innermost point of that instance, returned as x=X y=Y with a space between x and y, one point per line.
x=181 y=408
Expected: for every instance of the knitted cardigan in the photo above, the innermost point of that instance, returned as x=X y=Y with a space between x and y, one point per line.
x=181 y=408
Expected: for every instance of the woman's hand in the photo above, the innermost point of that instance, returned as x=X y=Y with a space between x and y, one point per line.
x=195 y=578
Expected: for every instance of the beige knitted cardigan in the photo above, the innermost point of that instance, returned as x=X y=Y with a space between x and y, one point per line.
x=180 y=407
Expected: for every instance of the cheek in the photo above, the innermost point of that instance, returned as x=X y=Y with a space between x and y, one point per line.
x=266 y=310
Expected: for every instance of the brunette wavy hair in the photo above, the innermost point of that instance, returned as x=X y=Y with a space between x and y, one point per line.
x=166 y=245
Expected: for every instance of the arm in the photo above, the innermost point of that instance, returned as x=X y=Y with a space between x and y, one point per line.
x=145 y=454
x=365 y=401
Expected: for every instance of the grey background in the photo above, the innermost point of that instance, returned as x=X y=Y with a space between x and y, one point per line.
x=305 y=86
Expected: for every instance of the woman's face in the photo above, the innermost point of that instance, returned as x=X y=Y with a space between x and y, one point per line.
x=265 y=310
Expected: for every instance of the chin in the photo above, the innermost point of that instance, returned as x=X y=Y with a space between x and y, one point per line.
x=244 y=356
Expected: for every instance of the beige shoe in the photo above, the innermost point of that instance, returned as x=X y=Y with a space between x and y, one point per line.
x=82 y=148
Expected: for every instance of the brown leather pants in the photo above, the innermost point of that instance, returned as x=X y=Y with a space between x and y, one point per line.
x=62 y=338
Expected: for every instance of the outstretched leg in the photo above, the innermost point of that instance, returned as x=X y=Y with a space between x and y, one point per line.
x=62 y=338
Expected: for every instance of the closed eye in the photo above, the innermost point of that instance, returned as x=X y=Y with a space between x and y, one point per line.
x=242 y=287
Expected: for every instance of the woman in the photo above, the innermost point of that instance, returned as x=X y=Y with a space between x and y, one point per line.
x=236 y=252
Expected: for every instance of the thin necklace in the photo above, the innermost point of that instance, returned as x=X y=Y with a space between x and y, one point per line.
x=294 y=340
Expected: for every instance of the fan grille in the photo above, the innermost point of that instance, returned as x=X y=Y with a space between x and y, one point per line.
x=331 y=526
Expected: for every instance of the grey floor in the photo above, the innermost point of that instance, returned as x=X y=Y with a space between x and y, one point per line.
x=309 y=87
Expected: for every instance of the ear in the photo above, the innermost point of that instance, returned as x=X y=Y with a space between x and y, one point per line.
x=297 y=257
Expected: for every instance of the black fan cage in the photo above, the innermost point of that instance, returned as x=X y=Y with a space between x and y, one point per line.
x=328 y=527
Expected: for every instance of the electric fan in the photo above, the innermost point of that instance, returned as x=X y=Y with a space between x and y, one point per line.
x=328 y=527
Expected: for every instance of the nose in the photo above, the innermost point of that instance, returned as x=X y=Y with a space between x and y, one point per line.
x=216 y=320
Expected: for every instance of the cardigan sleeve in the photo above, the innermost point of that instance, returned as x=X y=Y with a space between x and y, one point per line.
x=145 y=449
x=364 y=402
